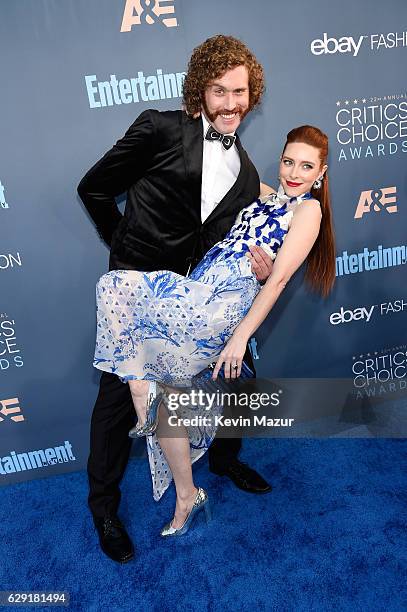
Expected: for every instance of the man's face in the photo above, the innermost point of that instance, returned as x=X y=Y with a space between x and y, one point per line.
x=226 y=100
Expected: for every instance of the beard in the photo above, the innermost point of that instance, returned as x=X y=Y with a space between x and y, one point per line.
x=213 y=116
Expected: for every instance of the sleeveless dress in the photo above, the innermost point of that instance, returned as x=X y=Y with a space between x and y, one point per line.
x=166 y=327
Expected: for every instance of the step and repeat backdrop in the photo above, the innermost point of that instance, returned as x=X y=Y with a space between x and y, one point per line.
x=75 y=74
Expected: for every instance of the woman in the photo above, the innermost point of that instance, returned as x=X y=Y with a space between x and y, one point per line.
x=165 y=328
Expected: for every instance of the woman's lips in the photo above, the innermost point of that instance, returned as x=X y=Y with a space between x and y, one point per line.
x=291 y=184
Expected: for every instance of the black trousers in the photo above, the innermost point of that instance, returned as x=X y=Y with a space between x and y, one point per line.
x=113 y=416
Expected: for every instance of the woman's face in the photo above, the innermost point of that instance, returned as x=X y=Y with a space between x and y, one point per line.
x=300 y=166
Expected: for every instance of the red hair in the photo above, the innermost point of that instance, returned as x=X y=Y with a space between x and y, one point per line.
x=320 y=266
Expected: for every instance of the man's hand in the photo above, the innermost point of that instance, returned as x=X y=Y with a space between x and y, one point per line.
x=262 y=264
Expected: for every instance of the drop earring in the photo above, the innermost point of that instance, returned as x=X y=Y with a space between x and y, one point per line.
x=318 y=183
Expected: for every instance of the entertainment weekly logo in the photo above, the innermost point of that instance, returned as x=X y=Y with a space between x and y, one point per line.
x=35 y=459
x=366 y=313
x=370 y=259
x=369 y=127
x=150 y=12
x=384 y=198
x=329 y=45
x=143 y=88
x=10 y=352
x=380 y=372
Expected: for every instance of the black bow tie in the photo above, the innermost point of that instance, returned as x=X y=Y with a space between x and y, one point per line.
x=226 y=140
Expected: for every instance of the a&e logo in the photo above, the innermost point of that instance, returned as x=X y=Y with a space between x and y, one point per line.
x=3 y=203
x=137 y=12
x=11 y=407
x=382 y=199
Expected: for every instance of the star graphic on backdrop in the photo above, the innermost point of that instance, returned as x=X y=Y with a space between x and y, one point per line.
x=364 y=100
x=338 y=103
x=355 y=101
x=346 y=102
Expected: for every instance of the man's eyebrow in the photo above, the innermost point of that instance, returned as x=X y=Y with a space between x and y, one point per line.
x=223 y=87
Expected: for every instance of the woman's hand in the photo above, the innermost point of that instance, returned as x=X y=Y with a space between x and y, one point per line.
x=231 y=356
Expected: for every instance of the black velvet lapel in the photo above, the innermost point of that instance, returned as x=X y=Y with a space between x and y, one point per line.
x=192 y=141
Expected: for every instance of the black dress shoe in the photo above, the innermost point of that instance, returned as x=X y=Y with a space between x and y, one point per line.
x=244 y=477
x=114 y=540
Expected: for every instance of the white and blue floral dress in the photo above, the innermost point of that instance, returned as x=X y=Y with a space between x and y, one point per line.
x=166 y=327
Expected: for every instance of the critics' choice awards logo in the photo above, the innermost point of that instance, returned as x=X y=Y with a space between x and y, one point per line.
x=137 y=12
x=380 y=372
x=371 y=127
x=10 y=353
x=10 y=410
x=364 y=313
x=329 y=45
x=3 y=203
x=384 y=198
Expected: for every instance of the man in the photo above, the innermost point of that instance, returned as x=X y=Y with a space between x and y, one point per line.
x=187 y=176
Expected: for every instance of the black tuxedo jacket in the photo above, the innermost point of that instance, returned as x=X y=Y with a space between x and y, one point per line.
x=159 y=163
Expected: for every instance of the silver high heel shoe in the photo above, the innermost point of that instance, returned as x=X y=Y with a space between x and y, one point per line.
x=155 y=396
x=201 y=503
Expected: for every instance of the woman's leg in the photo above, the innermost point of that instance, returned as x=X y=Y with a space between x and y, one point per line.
x=174 y=442
x=139 y=392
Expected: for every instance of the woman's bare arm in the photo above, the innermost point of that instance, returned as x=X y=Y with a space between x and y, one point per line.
x=266 y=189
x=298 y=243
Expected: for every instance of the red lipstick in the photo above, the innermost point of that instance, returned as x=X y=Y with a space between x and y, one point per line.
x=291 y=184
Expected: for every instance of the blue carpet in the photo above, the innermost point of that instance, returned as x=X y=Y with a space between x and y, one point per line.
x=331 y=536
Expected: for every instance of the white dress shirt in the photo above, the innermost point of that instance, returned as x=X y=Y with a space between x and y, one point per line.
x=220 y=169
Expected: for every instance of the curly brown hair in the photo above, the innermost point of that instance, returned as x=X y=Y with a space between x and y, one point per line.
x=211 y=60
